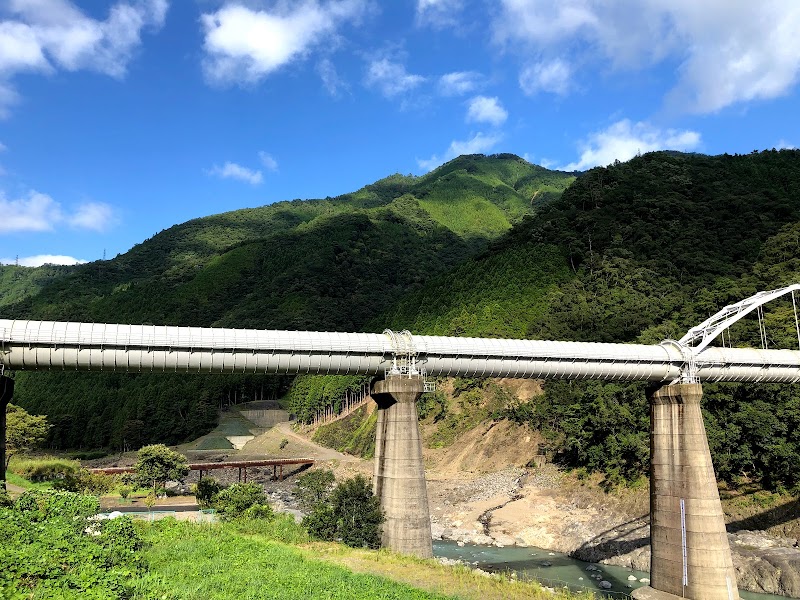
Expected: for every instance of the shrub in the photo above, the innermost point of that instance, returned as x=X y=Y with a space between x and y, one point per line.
x=259 y=511
x=88 y=454
x=46 y=469
x=124 y=491
x=314 y=488
x=352 y=515
x=54 y=558
x=321 y=523
x=119 y=534
x=39 y=505
x=284 y=443
x=5 y=499
x=205 y=492
x=86 y=482
x=231 y=503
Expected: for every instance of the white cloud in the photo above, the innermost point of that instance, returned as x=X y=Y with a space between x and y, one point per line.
x=231 y=170
x=477 y=144
x=43 y=259
x=245 y=45
x=784 y=145
x=391 y=78
x=96 y=216
x=459 y=83
x=268 y=161
x=482 y=109
x=623 y=140
x=729 y=51
x=439 y=13
x=334 y=84
x=35 y=212
x=546 y=76
x=39 y=212
x=45 y=35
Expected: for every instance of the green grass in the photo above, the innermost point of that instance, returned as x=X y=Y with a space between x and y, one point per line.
x=20 y=481
x=467 y=215
x=43 y=468
x=233 y=426
x=214 y=442
x=224 y=561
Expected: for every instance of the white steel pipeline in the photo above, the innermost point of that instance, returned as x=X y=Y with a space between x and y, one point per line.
x=50 y=345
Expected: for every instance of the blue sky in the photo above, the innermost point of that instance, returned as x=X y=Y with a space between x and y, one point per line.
x=119 y=119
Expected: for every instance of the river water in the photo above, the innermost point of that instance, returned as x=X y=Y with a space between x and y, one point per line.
x=553 y=568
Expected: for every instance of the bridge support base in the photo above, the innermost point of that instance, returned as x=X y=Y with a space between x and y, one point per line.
x=691 y=557
x=6 y=393
x=399 y=479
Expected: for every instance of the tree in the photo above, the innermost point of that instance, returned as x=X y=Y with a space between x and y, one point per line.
x=352 y=515
x=159 y=464
x=242 y=500
x=314 y=488
x=24 y=431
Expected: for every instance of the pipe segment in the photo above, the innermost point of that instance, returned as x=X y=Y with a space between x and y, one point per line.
x=52 y=345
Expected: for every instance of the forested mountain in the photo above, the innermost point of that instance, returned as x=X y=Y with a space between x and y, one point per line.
x=332 y=264
x=642 y=251
x=638 y=251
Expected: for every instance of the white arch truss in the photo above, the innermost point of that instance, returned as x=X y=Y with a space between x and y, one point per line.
x=694 y=344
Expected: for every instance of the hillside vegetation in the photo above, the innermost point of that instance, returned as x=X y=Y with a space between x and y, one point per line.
x=642 y=251
x=331 y=264
x=638 y=251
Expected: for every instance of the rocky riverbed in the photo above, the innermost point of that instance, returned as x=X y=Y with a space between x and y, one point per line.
x=514 y=507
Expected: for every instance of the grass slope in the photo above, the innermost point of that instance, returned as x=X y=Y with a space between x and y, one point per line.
x=276 y=560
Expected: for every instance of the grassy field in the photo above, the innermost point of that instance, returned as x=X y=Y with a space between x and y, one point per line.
x=256 y=559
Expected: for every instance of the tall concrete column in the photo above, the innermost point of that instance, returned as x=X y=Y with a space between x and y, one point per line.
x=6 y=393
x=691 y=557
x=399 y=479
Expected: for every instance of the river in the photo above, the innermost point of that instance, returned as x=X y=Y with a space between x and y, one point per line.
x=553 y=569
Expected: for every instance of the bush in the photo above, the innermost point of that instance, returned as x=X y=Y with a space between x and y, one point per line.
x=39 y=505
x=5 y=499
x=86 y=482
x=321 y=523
x=259 y=511
x=124 y=491
x=120 y=535
x=205 y=491
x=53 y=558
x=47 y=469
x=232 y=503
x=314 y=488
x=352 y=515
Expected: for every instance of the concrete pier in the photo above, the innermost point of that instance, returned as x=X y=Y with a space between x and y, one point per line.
x=691 y=557
x=6 y=393
x=399 y=479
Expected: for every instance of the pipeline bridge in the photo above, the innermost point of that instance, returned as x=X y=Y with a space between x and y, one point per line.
x=690 y=553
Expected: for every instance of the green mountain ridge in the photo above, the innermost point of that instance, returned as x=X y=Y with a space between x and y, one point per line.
x=434 y=222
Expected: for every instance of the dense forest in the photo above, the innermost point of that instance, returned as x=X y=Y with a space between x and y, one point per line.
x=489 y=246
